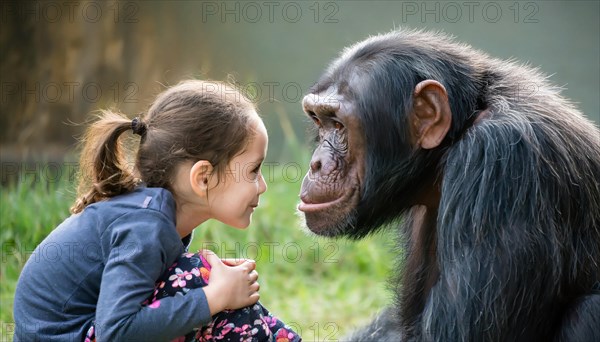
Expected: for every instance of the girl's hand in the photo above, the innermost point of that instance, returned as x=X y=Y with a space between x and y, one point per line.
x=230 y=287
x=234 y=262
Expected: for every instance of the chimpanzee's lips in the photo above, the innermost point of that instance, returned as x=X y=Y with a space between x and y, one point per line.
x=307 y=205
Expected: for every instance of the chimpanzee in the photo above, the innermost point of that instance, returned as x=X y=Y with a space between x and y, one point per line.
x=493 y=175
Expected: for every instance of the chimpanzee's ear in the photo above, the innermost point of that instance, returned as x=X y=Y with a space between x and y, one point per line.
x=431 y=117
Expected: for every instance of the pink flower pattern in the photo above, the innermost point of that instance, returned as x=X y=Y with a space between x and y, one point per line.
x=253 y=323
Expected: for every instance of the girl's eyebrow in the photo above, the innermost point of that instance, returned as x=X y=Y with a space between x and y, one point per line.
x=257 y=162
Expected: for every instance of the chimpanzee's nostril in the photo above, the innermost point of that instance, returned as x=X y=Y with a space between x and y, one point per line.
x=315 y=165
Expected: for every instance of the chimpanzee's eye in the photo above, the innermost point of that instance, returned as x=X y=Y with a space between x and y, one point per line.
x=314 y=117
x=317 y=121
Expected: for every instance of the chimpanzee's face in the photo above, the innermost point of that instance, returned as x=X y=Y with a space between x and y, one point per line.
x=331 y=189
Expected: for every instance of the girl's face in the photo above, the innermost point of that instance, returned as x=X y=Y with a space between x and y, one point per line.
x=236 y=196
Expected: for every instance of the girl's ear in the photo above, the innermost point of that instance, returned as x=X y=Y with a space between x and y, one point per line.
x=200 y=176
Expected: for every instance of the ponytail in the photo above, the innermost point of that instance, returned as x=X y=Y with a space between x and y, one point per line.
x=194 y=120
x=103 y=169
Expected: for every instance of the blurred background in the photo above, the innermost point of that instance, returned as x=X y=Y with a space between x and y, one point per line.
x=62 y=60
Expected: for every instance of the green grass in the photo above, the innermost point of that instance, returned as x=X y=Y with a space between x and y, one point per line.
x=323 y=288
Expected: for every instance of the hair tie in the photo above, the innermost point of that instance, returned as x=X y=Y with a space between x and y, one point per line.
x=138 y=127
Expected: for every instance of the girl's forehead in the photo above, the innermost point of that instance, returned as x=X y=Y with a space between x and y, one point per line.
x=260 y=131
x=258 y=142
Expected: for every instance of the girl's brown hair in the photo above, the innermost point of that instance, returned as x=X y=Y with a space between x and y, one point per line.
x=194 y=120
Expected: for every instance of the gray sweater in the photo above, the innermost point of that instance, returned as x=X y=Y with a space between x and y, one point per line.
x=100 y=266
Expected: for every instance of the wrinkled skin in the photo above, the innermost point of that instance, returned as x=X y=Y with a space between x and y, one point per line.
x=497 y=194
x=331 y=188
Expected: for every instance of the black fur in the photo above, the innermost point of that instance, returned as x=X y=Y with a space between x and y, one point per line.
x=513 y=250
x=384 y=328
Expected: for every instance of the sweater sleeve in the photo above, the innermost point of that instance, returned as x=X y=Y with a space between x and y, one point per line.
x=140 y=246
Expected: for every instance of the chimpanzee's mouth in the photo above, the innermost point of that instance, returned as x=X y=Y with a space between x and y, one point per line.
x=308 y=206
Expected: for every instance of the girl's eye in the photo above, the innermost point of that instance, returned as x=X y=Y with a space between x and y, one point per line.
x=338 y=126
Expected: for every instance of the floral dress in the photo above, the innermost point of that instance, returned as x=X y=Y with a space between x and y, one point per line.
x=253 y=323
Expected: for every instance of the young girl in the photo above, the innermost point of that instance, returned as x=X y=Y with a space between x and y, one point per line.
x=114 y=270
